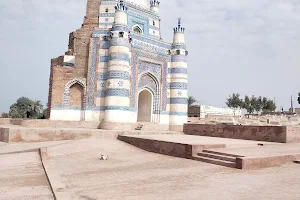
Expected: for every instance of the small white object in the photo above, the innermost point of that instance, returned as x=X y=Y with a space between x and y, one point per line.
x=104 y=157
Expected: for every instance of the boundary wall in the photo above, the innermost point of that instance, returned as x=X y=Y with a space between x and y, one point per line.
x=281 y=134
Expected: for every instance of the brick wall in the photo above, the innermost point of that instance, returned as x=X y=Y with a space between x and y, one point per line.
x=76 y=95
x=79 y=43
x=259 y=133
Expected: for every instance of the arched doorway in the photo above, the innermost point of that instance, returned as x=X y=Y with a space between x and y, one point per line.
x=145 y=103
x=76 y=96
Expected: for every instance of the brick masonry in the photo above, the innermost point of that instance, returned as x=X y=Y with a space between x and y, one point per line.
x=282 y=134
x=79 y=44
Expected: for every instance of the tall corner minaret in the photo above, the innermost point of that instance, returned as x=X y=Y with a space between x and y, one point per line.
x=117 y=100
x=178 y=78
x=154 y=6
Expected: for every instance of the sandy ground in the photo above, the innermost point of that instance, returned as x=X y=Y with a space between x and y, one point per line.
x=133 y=174
x=17 y=147
x=22 y=177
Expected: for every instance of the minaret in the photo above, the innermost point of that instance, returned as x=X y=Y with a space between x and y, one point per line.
x=154 y=6
x=117 y=84
x=178 y=78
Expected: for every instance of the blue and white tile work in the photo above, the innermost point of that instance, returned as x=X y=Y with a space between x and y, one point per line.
x=128 y=56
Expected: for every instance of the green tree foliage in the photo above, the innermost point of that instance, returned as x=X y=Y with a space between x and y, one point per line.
x=251 y=105
x=257 y=104
x=234 y=101
x=247 y=104
x=269 y=106
x=191 y=101
x=4 y=115
x=26 y=108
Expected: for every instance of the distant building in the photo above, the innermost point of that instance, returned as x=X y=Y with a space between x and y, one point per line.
x=203 y=110
x=295 y=110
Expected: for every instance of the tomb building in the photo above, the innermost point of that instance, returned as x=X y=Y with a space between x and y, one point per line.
x=118 y=68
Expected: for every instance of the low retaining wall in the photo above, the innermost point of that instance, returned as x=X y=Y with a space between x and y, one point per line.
x=293 y=134
x=42 y=123
x=264 y=162
x=19 y=134
x=167 y=148
x=282 y=134
x=4 y=121
x=133 y=126
x=60 y=124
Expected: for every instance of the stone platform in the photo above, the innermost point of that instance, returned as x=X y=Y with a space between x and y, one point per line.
x=241 y=154
x=16 y=134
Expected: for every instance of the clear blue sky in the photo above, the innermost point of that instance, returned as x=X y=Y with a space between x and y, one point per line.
x=250 y=47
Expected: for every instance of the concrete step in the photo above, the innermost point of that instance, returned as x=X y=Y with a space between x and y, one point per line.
x=217 y=156
x=221 y=153
x=215 y=161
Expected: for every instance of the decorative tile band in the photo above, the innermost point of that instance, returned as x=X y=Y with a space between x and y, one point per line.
x=117 y=92
x=120 y=28
x=178 y=101
x=178 y=85
x=120 y=42
x=150 y=41
x=66 y=64
x=107 y=14
x=119 y=56
x=118 y=75
x=178 y=58
x=101 y=93
x=178 y=46
x=104 y=44
x=102 y=76
x=93 y=70
x=98 y=33
x=98 y=108
x=116 y=57
x=177 y=70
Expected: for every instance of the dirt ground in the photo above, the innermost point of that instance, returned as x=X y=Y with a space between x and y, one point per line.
x=131 y=173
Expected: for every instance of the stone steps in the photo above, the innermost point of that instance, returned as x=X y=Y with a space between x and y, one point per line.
x=221 y=153
x=217 y=158
x=215 y=161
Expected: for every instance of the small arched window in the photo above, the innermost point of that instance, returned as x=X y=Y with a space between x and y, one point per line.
x=106 y=10
x=137 y=29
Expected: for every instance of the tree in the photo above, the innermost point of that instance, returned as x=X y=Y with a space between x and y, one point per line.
x=4 y=115
x=35 y=109
x=258 y=104
x=234 y=101
x=191 y=101
x=25 y=108
x=269 y=106
x=248 y=104
x=44 y=115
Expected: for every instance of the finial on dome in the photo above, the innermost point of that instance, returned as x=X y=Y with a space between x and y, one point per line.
x=154 y=3
x=179 y=29
x=120 y=6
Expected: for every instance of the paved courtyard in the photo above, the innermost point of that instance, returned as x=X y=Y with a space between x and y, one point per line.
x=131 y=173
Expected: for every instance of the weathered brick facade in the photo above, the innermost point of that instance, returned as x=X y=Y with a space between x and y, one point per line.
x=79 y=42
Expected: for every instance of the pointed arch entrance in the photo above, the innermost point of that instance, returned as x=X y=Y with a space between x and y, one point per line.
x=145 y=106
x=148 y=88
